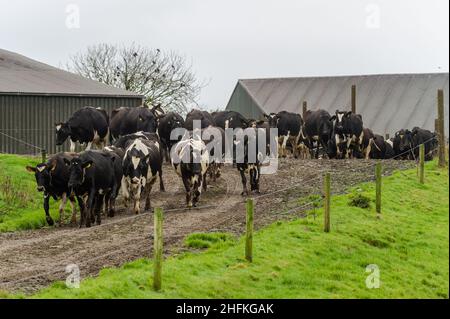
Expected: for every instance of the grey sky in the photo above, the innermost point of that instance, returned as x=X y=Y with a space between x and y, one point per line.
x=230 y=39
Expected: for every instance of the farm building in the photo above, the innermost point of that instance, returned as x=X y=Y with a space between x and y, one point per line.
x=387 y=102
x=34 y=96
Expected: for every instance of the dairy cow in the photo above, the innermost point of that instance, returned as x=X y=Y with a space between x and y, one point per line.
x=318 y=129
x=289 y=127
x=128 y=120
x=348 y=130
x=167 y=123
x=93 y=175
x=230 y=119
x=52 y=178
x=203 y=117
x=87 y=126
x=190 y=159
x=142 y=164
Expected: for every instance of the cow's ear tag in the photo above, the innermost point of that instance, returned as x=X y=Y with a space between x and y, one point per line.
x=88 y=165
x=140 y=119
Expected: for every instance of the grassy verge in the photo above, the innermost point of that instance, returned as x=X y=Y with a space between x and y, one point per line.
x=21 y=206
x=409 y=245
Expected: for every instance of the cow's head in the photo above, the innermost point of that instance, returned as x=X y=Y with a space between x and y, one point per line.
x=272 y=118
x=173 y=121
x=62 y=132
x=404 y=138
x=77 y=171
x=340 y=119
x=42 y=173
x=135 y=167
x=147 y=121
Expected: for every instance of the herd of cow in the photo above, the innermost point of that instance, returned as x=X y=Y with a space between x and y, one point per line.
x=133 y=142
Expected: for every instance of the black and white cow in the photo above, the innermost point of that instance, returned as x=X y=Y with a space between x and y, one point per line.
x=348 y=129
x=52 y=178
x=142 y=164
x=93 y=175
x=88 y=126
x=318 y=129
x=122 y=141
x=196 y=115
x=366 y=145
x=289 y=127
x=230 y=119
x=128 y=120
x=403 y=145
x=190 y=159
x=167 y=123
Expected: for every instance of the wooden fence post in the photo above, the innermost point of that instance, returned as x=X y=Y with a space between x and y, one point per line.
x=421 y=163
x=441 y=133
x=378 y=188
x=305 y=108
x=249 y=233
x=44 y=155
x=326 y=204
x=158 y=248
x=354 y=99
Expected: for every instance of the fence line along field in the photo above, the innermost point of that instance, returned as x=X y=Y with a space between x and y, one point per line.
x=200 y=188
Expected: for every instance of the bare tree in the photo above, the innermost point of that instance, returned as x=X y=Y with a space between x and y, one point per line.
x=164 y=78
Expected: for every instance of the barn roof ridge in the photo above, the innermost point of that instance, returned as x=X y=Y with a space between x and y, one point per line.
x=21 y=75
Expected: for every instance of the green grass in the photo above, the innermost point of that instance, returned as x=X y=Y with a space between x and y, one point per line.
x=21 y=205
x=409 y=244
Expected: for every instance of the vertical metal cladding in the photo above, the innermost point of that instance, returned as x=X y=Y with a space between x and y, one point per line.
x=27 y=122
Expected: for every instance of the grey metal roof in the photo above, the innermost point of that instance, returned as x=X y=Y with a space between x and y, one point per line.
x=387 y=102
x=22 y=75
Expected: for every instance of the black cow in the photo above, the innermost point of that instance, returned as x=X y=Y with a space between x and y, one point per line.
x=214 y=139
x=88 y=126
x=52 y=178
x=190 y=159
x=203 y=116
x=378 y=147
x=142 y=164
x=128 y=120
x=348 y=129
x=429 y=139
x=167 y=123
x=93 y=174
x=318 y=128
x=230 y=119
x=289 y=127
x=248 y=158
x=403 y=145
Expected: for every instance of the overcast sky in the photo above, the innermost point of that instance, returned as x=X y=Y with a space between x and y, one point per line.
x=231 y=39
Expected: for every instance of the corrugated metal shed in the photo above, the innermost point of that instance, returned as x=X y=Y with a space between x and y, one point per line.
x=22 y=75
x=34 y=96
x=387 y=102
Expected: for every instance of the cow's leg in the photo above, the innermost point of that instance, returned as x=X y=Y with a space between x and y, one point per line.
x=89 y=146
x=83 y=210
x=48 y=218
x=62 y=205
x=244 y=182
x=98 y=208
x=368 y=149
x=72 y=146
x=203 y=181
x=73 y=219
x=187 y=187
x=90 y=208
x=137 y=199
x=148 y=189
x=125 y=191
x=107 y=208
x=161 y=183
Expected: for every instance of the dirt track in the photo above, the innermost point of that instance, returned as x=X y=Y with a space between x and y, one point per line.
x=30 y=260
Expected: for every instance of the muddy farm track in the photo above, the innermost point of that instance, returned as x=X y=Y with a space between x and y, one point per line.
x=30 y=260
